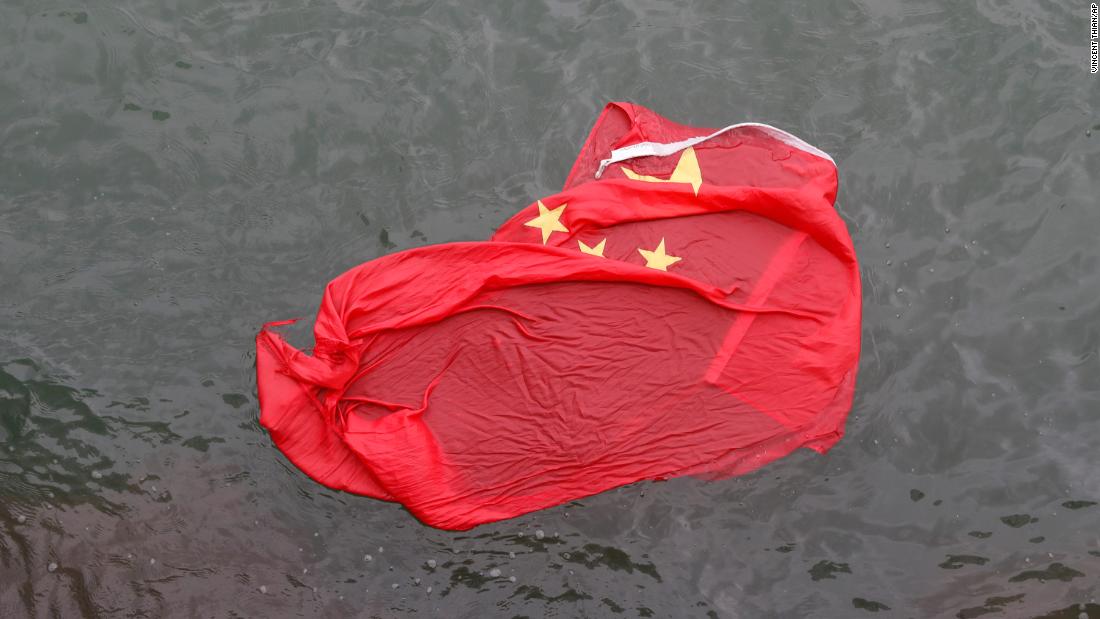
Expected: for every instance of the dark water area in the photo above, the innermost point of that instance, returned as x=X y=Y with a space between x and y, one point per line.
x=174 y=174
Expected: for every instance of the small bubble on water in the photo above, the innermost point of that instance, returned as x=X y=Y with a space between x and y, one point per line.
x=316 y=534
x=52 y=567
x=97 y=475
x=368 y=558
x=900 y=291
x=494 y=573
x=21 y=518
x=511 y=579
x=263 y=589
x=431 y=563
x=539 y=534
x=565 y=555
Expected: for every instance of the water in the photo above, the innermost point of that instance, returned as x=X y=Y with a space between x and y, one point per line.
x=173 y=174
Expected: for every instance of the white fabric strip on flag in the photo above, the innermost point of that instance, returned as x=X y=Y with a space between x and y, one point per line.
x=657 y=149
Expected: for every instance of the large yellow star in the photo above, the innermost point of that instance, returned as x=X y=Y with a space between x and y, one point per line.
x=687 y=171
x=597 y=250
x=548 y=221
x=657 y=258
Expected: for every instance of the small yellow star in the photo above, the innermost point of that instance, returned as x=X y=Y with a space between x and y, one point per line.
x=687 y=171
x=657 y=258
x=595 y=251
x=548 y=221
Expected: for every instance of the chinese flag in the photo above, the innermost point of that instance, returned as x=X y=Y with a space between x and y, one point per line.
x=693 y=310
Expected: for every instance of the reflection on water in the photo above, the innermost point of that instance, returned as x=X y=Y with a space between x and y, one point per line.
x=173 y=175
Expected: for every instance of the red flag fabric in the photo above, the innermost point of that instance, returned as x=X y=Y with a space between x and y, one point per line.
x=694 y=311
x=755 y=206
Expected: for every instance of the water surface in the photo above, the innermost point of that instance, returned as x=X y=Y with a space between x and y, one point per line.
x=175 y=173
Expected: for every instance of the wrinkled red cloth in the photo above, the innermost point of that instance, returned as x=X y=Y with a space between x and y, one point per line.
x=694 y=313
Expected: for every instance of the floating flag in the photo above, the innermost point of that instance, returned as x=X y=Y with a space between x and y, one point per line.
x=694 y=310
